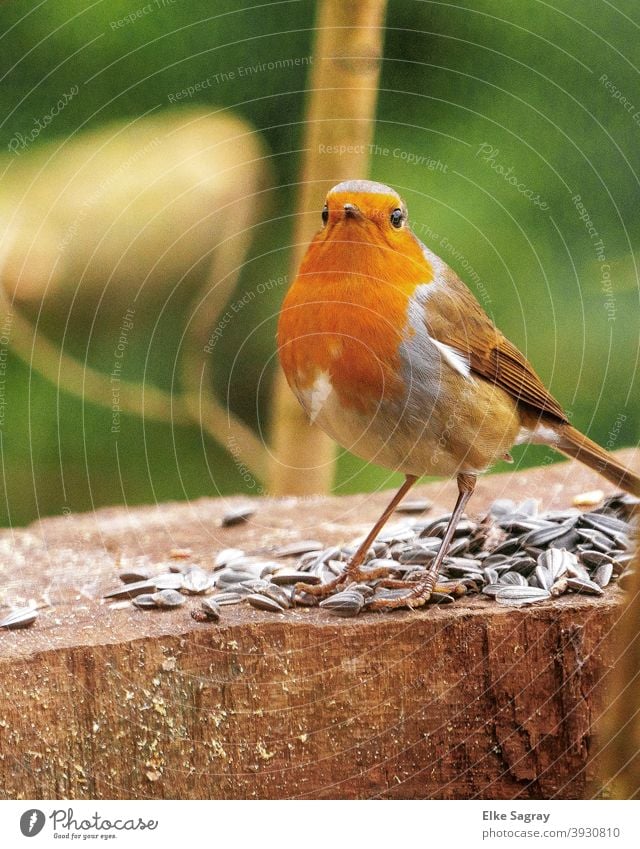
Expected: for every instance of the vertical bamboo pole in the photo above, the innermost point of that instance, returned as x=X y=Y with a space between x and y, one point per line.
x=341 y=106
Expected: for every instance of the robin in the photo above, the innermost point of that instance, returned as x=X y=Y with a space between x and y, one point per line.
x=390 y=354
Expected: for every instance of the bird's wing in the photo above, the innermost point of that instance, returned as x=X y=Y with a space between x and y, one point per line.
x=455 y=318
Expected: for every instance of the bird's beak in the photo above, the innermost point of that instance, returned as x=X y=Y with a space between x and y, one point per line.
x=352 y=211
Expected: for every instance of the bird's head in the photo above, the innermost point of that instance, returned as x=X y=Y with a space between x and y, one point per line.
x=364 y=227
x=361 y=210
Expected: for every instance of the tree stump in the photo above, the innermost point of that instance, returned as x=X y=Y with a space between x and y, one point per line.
x=470 y=700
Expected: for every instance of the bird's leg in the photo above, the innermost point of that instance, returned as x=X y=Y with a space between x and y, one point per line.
x=353 y=571
x=420 y=591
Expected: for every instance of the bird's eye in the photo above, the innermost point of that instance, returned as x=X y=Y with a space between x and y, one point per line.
x=397 y=218
x=325 y=214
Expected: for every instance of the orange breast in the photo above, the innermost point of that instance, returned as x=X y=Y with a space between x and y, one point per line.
x=346 y=315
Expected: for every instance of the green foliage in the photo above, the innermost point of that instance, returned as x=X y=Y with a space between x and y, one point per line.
x=524 y=80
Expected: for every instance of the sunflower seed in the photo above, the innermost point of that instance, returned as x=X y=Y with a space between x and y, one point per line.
x=580 y=585
x=568 y=540
x=263 y=602
x=365 y=590
x=596 y=539
x=385 y=563
x=237 y=516
x=577 y=570
x=605 y=523
x=332 y=567
x=603 y=574
x=303 y=546
x=517 y=596
x=459 y=546
x=563 y=515
x=622 y=503
x=530 y=507
x=315 y=560
x=490 y=575
x=509 y=546
x=22 y=617
x=279 y=594
x=621 y=541
x=593 y=558
x=196 y=581
x=492 y=589
x=518 y=525
x=268 y=567
x=211 y=609
x=495 y=560
x=544 y=536
x=168 y=598
x=134 y=576
x=556 y=561
x=228 y=598
x=230 y=576
x=226 y=556
x=131 y=590
x=514 y=579
x=144 y=601
x=286 y=578
x=417 y=554
x=345 y=603
x=523 y=565
x=255 y=585
x=543 y=578
x=502 y=507
x=395 y=534
x=417 y=505
x=168 y=581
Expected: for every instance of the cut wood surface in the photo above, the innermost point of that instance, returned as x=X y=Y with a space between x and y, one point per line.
x=468 y=700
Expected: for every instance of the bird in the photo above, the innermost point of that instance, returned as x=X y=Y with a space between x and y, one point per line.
x=390 y=353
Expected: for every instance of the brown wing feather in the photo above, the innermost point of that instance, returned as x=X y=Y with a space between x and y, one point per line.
x=455 y=318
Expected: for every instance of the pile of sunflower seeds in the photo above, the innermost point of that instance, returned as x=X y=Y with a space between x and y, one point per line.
x=515 y=555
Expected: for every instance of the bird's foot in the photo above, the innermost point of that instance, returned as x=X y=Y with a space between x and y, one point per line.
x=418 y=594
x=351 y=575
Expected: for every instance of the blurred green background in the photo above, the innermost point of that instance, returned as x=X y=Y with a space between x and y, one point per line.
x=521 y=82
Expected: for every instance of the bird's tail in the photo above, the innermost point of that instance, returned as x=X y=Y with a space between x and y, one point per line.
x=580 y=447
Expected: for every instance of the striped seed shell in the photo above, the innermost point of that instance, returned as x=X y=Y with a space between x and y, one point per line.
x=167 y=599
x=603 y=574
x=264 y=602
x=228 y=597
x=302 y=546
x=22 y=617
x=514 y=579
x=556 y=561
x=517 y=596
x=131 y=590
x=588 y=587
x=237 y=516
x=345 y=603
x=211 y=609
x=169 y=581
x=288 y=577
x=196 y=581
x=144 y=601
